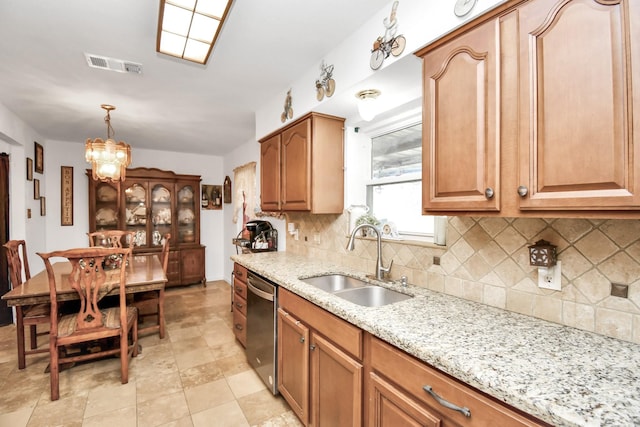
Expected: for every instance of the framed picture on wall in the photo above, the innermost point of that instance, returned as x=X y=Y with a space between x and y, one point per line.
x=36 y=189
x=39 y=155
x=66 y=195
x=29 y=169
x=43 y=206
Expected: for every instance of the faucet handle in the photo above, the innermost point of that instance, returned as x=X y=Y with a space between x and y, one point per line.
x=387 y=269
x=403 y=281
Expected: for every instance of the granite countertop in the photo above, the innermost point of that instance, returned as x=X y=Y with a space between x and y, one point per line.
x=562 y=375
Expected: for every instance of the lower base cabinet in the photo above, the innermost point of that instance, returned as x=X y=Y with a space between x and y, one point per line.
x=398 y=387
x=320 y=373
x=239 y=303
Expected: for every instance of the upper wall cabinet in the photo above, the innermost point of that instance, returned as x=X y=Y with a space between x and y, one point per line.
x=530 y=110
x=301 y=166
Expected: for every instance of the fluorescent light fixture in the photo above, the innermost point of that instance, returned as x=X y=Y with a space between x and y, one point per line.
x=188 y=29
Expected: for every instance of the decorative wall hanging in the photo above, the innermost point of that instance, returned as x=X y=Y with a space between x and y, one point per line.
x=463 y=7
x=227 y=189
x=43 y=206
x=288 y=109
x=29 y=169
x=325 y=85
x=211 y=197
x=39 y=156
x=389 y=43
x=36 y=189
x=66 y=195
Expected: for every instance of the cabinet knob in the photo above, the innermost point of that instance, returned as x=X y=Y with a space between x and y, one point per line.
x=301 y=339
x=312 y=347
x=523 y=191
x=488 y=193
x=239 y=326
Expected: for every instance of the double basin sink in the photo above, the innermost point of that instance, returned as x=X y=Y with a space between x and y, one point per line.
x=355 y=290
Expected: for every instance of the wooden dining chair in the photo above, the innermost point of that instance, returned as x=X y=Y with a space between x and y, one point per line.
x=112 y=238
x=28 y=315
x=92 y=323
x=151 y=303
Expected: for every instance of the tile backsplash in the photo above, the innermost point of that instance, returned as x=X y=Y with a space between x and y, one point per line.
x=486 y=260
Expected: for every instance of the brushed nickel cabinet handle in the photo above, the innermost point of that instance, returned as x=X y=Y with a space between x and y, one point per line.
x=488 y=193
x=301 y=339
x=523 y=191
x=463 y=410
x=312 y=347
x=239 y=326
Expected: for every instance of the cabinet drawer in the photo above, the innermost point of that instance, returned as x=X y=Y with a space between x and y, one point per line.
x=239 y=289
x=240 y=304
x=342 y=333
x=240 y=327
x=412 y=375
x=240 y=272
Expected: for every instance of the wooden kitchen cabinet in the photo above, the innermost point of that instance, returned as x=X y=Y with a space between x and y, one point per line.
x=302 y=166
x=239 y=303
x=397 y=397
x=324 y=385
x=151 y=203
x=461 y=139
x=531 y=110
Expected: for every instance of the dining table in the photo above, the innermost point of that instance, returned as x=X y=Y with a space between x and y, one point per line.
x=143 y=273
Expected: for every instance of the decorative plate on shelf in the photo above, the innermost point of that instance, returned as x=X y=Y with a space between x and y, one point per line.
x=106 y=216
x=185 y=216
x=107 y=193
x=162 y=216
x=161 y=194
x=135 y=193
x=185 y=195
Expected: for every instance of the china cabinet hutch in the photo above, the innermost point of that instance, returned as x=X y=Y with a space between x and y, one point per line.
x=153 y=202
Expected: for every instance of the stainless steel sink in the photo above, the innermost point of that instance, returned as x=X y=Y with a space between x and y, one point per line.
x=335 y=282
x=372 y=296
x=355 y=290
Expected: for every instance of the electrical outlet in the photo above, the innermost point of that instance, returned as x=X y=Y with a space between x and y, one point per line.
x=551 y=277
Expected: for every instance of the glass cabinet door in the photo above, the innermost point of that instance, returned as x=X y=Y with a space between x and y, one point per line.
x=135 y=211
x=187 y=198
x=161 y=213
x=106 y=209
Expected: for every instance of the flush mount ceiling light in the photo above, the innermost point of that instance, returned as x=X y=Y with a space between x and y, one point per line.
x=366 y=105
x=109 y=159
x=188 y=29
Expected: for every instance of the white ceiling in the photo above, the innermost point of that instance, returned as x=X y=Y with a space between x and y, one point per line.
x=173 y=105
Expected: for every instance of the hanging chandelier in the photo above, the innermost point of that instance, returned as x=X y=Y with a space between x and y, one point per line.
x=109 y=159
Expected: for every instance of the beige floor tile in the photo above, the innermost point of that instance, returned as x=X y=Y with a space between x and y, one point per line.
x=245 y=383
x=288 y=419
x=182 y=422
x=208 y=395
x=67 y=412
x=262 y=406
x=201 y=374
x=227 y=415
x=108 y=398
x=123 y=417
x=162 y=410
x=189 y=358
x=152 y=387
x=19 y=418
x=233 y=365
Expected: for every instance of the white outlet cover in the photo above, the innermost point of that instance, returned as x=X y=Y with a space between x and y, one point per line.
x=550 y=278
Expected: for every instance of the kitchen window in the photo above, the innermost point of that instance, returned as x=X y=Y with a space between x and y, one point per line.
x=394 y=192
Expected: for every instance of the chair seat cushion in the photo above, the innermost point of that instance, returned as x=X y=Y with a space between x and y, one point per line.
x=37 y=310
x=110 y=317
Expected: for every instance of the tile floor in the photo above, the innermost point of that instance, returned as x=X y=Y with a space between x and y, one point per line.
x=197 y=376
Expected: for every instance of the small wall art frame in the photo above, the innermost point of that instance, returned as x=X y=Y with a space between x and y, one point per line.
x=43 y=206
x=36 y=189
x=39 y=157
x=66 y=195
x=211 y=197
x=29 y=169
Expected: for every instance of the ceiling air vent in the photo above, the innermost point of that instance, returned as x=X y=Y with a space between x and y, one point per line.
x=112 y=64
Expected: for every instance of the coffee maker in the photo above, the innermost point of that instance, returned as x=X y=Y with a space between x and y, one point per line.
x=262 y=237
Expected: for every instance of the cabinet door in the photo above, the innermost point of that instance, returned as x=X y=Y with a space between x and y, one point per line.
x=270 y=174
x=104 y=214
x=188 y=212
x=162 y=208
x=293 y=364
x=461 y=143
x=579 y=95
x=296 y=167
x=336 y=386
x=136 y=210
x=192 y=265
x=389 y=407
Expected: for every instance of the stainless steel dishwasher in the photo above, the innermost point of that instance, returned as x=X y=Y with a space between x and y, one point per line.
x=261 y=328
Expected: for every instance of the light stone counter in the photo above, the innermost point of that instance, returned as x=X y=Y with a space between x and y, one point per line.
x=562 y=375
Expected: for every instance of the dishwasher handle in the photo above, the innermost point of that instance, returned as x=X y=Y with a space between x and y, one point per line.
x=259 y=292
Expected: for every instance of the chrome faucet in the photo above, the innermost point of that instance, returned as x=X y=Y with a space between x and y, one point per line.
x=380 y=269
